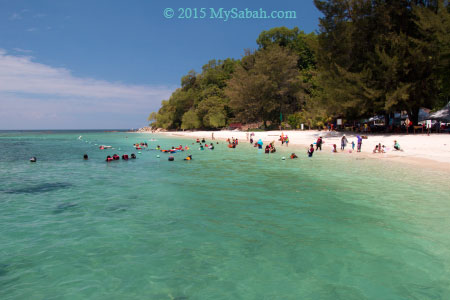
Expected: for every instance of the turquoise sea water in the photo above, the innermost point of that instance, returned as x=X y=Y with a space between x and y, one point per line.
x=231 y=224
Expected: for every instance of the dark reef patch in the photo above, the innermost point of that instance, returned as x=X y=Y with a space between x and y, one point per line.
x=39 y=188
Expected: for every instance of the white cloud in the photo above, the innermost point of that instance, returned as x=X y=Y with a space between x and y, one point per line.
x=30 y=91
x=20 y=50
x=15 y=16
x=32 y=29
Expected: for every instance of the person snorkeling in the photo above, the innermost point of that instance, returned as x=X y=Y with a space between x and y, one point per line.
x=189 y=157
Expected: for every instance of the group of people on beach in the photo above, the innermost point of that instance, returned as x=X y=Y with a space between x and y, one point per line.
x=284 y=139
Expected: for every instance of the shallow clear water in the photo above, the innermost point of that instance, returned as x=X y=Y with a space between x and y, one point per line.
x=231 y=224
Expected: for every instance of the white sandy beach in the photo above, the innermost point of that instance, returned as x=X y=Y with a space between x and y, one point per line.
x=420 y=149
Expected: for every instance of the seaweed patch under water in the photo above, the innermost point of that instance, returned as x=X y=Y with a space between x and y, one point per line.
x=63 y=207
x=118 y=208
x=40 y=188
x=3 y=269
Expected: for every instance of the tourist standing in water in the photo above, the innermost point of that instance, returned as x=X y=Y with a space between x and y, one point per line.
x=344 y=142
x=319 y=143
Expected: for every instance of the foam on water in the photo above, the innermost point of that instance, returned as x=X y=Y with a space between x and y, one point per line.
x=230 y=224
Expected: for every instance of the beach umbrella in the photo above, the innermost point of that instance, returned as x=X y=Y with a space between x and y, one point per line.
x=441 y=115
x=260 y=142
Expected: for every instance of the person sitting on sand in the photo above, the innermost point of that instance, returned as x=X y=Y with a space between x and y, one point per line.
x=311 y=150
x=379 y=148
x=375 y=150
x=397 y=146
x=293 y=156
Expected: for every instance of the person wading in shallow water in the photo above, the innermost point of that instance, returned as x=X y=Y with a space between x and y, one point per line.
x=311 y=150
x=319 y=143
x=344 y=142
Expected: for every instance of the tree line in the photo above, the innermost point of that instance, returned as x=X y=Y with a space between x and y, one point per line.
x=368 y=58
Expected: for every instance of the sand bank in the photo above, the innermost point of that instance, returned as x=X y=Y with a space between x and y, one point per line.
x=419 y=149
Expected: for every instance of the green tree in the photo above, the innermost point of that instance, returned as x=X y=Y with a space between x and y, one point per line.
x=373 y=57
x=300 y=43
x=264 y=85
x=190 y=120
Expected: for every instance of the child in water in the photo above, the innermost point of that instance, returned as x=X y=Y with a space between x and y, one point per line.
x=311 y=150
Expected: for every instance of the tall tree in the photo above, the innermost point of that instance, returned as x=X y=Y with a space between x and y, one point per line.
x=300 y=43
x=264 y=85
x=373 y=57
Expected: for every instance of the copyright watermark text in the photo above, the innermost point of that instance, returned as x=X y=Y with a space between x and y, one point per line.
x=226 y=14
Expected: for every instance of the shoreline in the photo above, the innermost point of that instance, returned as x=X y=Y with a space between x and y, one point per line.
x=431 y=152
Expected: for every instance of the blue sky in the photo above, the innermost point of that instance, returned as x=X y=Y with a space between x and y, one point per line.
x=108 y=64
